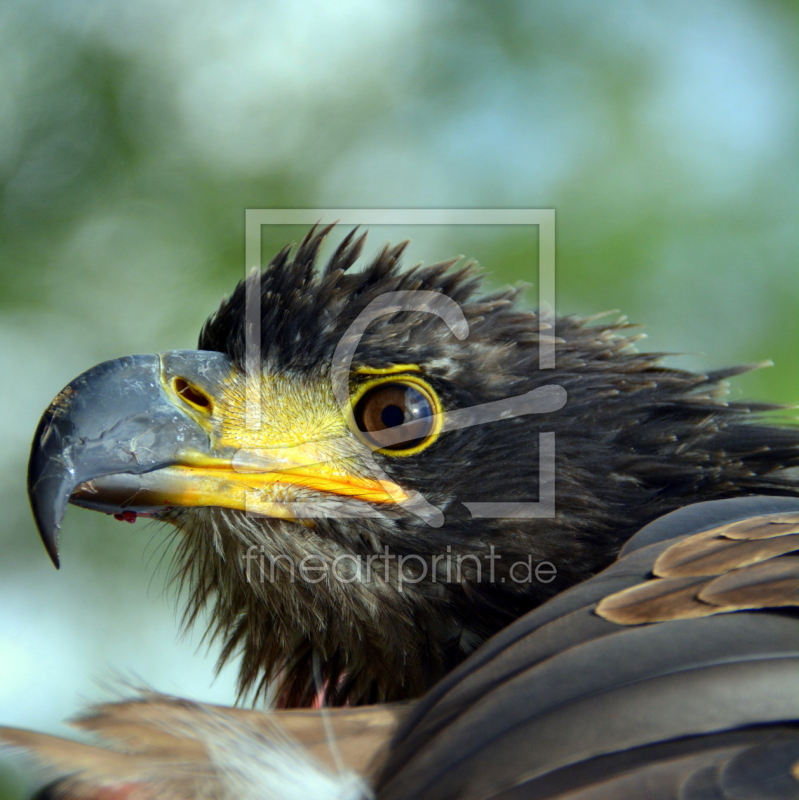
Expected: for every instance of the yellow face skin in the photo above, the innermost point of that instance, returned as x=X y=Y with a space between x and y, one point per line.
x=304 y=449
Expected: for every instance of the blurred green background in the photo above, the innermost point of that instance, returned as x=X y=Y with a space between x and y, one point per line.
x=133 y=136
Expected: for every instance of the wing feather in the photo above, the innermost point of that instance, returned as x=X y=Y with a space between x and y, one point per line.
x=173 y=749
x=631 y=685
x=740 y=565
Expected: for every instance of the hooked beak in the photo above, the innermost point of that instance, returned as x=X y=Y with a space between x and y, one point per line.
x=125 y=437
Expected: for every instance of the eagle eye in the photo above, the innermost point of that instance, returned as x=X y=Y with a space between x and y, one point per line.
x=397 y=416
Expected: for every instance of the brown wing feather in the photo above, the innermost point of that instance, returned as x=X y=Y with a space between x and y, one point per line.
x=361 y=734
x=158 y=745
x=762 y=527
x=145 y=726
x=742 y=565
x=772 y=584
x=656 y=601
x=719 y=555
x=689 y=556
x=94 y=772
x=69 y=757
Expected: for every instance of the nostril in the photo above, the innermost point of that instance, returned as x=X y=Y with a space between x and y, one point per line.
x=195 y=397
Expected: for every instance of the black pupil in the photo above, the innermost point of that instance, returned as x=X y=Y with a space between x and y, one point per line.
x=392 y=416
x=390 y=405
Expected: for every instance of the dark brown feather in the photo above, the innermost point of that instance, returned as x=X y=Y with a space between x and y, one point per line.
x=699 y=556
x=771 y=584
x=742 y=565
x=657 y=601
x=764 y=527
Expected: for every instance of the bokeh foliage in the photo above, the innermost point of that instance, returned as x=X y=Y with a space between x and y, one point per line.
x=133 y=136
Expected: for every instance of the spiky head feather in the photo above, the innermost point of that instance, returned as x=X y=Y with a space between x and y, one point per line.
x=634 y=441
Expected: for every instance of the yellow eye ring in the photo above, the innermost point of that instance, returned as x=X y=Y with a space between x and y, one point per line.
x=382 y=405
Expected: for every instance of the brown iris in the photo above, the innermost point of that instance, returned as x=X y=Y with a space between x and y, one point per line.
x=385 y=407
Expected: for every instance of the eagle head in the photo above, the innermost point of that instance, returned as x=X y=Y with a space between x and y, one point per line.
x=370 y=473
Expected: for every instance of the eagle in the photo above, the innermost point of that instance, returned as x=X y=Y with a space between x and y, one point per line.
x=356 y=465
